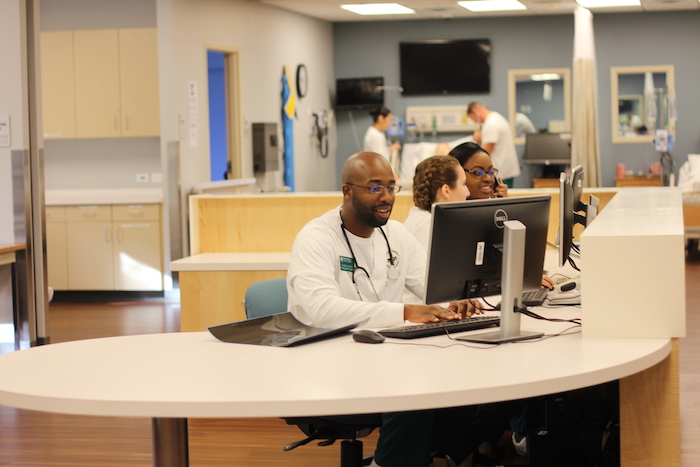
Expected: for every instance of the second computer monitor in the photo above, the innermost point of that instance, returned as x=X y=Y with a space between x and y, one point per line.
x=466 y=246
x=547 y=148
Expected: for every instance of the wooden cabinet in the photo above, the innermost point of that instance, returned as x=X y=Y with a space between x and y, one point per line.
x=138 y=76
x=137 y=247
x=637 y=181
x=545 y=183
x=56 y=249
x=108 y=77
x=58 y=84
x=107 y=247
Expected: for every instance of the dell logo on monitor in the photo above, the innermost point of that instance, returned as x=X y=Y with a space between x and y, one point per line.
x=499 y=218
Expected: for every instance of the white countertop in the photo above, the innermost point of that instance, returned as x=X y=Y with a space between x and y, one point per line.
x=239 y=261
x=192 y=374
x=104 y=196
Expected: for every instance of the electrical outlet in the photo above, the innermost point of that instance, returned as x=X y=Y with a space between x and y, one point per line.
x=156 y=177
x=142 y=177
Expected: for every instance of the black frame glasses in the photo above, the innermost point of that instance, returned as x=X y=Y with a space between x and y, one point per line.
x=379 y=189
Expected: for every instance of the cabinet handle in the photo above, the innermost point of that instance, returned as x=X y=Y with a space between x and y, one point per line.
x=107 y=232
x=118 y=235
x=126 y=122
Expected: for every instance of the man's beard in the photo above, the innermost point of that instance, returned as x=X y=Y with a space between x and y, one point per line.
x=367 y=215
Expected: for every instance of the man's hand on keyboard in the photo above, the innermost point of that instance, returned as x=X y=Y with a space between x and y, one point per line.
x=466 y=308
x=429 y=313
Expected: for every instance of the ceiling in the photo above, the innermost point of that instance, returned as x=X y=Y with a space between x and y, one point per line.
x=330 y=10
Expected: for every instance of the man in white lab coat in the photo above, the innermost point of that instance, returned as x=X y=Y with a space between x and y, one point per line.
x=352 y=264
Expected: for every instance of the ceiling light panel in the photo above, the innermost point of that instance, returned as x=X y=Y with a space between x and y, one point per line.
x=607 y=3
x=378 y=9
x=492 y=5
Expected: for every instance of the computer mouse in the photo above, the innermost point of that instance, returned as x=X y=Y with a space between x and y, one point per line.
x=367 y=337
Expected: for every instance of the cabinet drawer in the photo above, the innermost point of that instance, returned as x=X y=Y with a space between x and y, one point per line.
x=55 y=214
x=130 y=212
x=88 y=213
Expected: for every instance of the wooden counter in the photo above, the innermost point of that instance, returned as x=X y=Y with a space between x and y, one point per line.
x=237 y=240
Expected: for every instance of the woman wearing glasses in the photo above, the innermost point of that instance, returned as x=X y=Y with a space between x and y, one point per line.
x=482 y=177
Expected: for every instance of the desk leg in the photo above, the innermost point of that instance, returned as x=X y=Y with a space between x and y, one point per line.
x=170 y=443
x=650 y=415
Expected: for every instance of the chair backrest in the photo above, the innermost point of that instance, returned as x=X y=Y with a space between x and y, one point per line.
x=266 y=298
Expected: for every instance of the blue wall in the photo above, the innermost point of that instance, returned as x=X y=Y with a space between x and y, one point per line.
x=635 y=39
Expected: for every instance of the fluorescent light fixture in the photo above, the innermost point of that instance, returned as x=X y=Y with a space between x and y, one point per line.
x=545 y=77
x=492 y=5
x=607 y=3
x=378 y=9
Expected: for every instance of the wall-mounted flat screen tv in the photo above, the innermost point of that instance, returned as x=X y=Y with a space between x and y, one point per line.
x=442 y=67
x=359 y=93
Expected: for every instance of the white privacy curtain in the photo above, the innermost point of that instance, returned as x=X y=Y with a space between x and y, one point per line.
x=585 y=145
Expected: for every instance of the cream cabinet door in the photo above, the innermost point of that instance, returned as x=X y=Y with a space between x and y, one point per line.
x=58 y=84
x=90 y=247
x=56 y=248
x=137 y=256
x=138 y=72
x=97 y=99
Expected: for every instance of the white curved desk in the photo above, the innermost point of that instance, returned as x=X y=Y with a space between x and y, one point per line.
x=172 y=377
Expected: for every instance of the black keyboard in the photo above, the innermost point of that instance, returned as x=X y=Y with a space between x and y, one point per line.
x=441 y=327
x=532 y=297
x=535 y=297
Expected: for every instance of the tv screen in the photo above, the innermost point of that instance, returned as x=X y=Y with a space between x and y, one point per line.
x=446 y=67
x=358 y=93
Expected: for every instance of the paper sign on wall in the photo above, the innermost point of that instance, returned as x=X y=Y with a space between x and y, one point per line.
x=4 y=131
x=193 y=106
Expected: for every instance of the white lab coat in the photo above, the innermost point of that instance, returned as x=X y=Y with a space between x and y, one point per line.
x=321 y=294
x=376 y=141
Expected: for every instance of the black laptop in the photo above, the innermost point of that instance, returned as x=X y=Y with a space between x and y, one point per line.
x=280 y=330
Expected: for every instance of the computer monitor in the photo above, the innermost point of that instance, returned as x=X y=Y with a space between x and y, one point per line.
x=468 y=245
x=570 y=210
x=547 y=148
x=567 y=206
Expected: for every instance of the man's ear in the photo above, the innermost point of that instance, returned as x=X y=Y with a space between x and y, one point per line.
x=346 y=191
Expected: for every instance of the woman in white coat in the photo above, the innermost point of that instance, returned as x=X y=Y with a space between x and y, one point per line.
x=375 y=137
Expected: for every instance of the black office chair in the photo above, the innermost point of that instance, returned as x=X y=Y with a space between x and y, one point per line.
x=269 y=297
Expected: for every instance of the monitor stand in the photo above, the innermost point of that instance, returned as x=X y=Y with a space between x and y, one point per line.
x=512 y=289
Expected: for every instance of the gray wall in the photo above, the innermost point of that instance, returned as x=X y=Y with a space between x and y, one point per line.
x=371 y=49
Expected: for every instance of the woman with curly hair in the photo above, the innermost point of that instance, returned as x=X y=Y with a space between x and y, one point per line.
x=437 y=179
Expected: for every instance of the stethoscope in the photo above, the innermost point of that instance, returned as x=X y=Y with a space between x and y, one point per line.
x=392 y=262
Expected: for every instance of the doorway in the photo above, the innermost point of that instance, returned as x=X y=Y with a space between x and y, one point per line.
x=224 y=113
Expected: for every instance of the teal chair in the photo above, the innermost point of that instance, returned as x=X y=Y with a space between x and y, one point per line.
x=266 y=298
x=269 y=297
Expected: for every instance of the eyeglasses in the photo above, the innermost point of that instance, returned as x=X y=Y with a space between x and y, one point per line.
x=379 y=189
x=480 y=173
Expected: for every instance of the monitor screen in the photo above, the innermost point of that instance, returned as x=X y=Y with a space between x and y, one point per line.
x=359 y=93
x=577 y=187
x=443 y=67
x=547 y=148
x=466 y=246
x=567 y=205
x=570 y=207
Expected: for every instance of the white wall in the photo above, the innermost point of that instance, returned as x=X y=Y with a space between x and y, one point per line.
x=267 y=39
x=13 y=102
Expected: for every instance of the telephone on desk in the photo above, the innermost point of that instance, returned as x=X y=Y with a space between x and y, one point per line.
x=566 y=293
